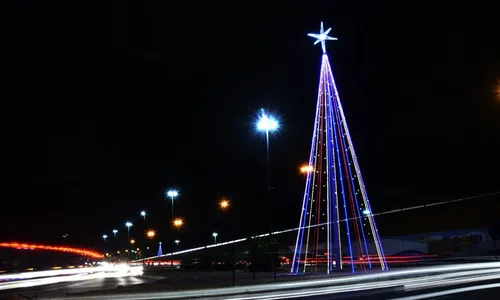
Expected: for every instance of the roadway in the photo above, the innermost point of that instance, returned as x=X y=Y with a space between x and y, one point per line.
x=103 y=283
x=58 y=283
x=393 y=284
x=61 y=289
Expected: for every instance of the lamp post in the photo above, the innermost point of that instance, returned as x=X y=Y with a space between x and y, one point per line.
x=177 y=244
x=143 y=215
x=268 y=124
x=128 y=225
x=115 y=231
x=215 y=234
x=150 y=234
x=172 y=194
x=177 y=223
x=104 y=237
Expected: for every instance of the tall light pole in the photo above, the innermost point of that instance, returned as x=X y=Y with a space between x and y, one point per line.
x=215 y=234
x=104 y=237
x=267 y=123
x=177 y=244
x=143 y=215
x=115 y=231
x=128 y=225
x=150 y=234
x=172 y=194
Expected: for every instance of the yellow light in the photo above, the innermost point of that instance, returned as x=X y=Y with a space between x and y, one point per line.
x=224 y=204
x=178 y=222
x=150 y=234
x=132 y=241
x=496 y=90
x=117 y=252
x=306 y=169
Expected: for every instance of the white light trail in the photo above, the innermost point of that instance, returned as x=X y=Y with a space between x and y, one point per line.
x=421 y=278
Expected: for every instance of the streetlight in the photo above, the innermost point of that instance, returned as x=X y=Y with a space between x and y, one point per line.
x=215 y=237
x=132 y=241
x=267 y=124
x=178 y=222
x=115 y=231
x=306 y=169
x=104 y=237
x=496 y=90
x=143 y=215
x=177 y=244
x=172 y=194
x=128 y=225
x=224 y=204
x=149 y=234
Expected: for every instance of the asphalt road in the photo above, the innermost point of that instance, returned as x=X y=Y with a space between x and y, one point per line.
x=481 y=290
x=379 y=285
x=63 y=288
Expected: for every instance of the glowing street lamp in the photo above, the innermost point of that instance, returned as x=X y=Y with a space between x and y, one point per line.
x=172 y=194
x=132 y=241
x=104 y=237
x=306 y=169
x=224 y=204
x=143 y=215
x=177 y=243
x=267 y=123
x=115 y=231
x=151 y=234
x=128 y=225
x=215 y=234
x=178 y=222
x=496 y=90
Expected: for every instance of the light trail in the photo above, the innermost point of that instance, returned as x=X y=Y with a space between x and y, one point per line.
x=49 y=273
x=451 y=292
x=79 y=251
x=415 y=279
x=311 y=226
x=37 y=278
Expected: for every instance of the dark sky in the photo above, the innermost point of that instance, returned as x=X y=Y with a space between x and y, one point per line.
x=106 y=105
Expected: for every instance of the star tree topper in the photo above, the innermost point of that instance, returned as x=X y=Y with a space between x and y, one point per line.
x=322 y=37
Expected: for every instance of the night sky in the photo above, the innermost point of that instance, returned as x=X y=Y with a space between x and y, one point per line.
x=106 y=105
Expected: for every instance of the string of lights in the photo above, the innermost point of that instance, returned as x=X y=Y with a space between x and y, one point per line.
x=336 y=180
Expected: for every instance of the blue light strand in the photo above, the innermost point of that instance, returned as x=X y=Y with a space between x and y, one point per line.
x=333 y=182
x=342 y=187
x=305 y=205
x=360 y=177
x=358 y=215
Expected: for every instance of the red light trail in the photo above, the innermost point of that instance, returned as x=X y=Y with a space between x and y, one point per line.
x=65 y=249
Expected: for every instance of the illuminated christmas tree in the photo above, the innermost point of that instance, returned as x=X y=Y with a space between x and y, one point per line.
x=336 y=226
x=160 y=252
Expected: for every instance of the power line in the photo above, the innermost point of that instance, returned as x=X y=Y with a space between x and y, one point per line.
x=322 y=224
